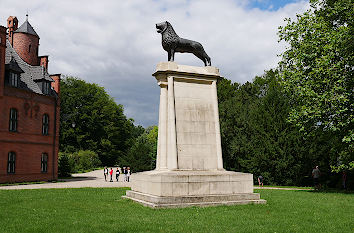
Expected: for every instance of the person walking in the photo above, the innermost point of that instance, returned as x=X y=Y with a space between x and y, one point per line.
x=316 y=173
x=105 y=173
x=128 y=174
x=117 y=174
x=260 y=181
x=125 y=173
x=111 y=174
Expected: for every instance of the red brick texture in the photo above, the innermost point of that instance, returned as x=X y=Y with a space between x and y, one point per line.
x=2 y=59
x=12 y=24
x=28 y=142
x=26 y=46
x=56 y=84
x=43 y=61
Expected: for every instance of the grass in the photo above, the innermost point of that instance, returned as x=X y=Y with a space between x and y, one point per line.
x=103 y=210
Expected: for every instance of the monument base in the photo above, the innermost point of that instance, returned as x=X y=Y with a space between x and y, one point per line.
x=171 y=189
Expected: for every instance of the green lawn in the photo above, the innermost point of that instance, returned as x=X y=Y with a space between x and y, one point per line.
x=103 y=210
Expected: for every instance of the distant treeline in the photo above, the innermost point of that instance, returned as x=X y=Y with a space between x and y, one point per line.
x=258 y=138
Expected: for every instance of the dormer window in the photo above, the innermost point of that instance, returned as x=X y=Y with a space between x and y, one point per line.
x=13 y=79
x=13 y=71
x=45 y=87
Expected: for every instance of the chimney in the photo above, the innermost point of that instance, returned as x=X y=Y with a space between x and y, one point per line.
x=2 y=59
x=43 y=61
x=56 y=84
x=12 y=25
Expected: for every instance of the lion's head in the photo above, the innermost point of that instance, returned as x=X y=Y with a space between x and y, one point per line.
x=161 y=27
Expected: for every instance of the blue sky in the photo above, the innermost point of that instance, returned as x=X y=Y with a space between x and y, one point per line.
x=114 y=43
x=270 y=5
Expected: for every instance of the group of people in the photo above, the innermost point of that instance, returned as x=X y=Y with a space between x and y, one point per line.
x=125 y=171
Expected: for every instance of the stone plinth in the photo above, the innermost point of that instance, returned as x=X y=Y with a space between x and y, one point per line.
x=189 y=168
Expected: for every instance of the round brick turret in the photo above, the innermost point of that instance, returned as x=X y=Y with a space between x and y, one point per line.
x=26 y=42
x=26 y=46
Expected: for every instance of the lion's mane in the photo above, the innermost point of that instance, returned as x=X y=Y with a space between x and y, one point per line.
x=170 y=38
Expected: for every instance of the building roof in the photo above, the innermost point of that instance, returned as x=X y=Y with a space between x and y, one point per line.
x=30 y=74
x=26 y=27
x=13 y=66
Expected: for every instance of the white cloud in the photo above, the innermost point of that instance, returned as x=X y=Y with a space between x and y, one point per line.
x=115 y=44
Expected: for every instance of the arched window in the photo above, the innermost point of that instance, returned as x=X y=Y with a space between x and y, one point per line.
x=13 y=120
x=45 y=124
x=44 y=162
x=11 y=161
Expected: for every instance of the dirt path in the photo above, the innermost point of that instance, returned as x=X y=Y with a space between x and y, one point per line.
x=93 y=179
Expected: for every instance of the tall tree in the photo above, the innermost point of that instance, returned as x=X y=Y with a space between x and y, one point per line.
x=317 y=69
x=91 y=120
x=257 y=137
x=142 y=154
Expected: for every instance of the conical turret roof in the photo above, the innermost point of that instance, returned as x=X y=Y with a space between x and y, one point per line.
x=26 y=27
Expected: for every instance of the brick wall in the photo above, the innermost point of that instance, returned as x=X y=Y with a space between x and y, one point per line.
x=43 y=61
x=56 y=83
x=28 y=142
x=2 y=58
x=22 y=43
x=12 y=24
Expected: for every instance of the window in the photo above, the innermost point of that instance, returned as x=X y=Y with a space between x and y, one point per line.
x=13 y=120
x=29 y=48
x=13 y=79
x=44 y=162
x=45 y=87
x=11 y=162
x=45 y=124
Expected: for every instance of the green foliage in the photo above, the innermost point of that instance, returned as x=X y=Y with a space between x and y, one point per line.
x=142 y=154
x=85 y=160
x=317 y=71
x=64 y=168
x=80 y=161
x=257 y=138
x=100 y=124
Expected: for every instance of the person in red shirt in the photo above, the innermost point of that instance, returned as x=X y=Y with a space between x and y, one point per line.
x=111 y=174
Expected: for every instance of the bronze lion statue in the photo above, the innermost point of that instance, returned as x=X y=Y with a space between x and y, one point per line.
x=172 y=43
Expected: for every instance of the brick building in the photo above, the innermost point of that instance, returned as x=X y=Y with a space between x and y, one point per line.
x=29 y=107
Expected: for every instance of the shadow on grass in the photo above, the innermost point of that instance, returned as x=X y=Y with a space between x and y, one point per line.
x=24 y=183
x=331 y=190
x=81 y=178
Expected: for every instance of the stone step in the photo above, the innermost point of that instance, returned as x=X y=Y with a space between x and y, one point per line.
x=190 y=204
x=162 y=200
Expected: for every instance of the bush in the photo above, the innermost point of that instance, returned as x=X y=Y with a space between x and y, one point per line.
x=83 y=160
x=64 y=168
x=87 y=160
x=80 y=161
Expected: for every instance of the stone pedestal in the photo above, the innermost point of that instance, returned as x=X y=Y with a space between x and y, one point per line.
x=189 y=168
